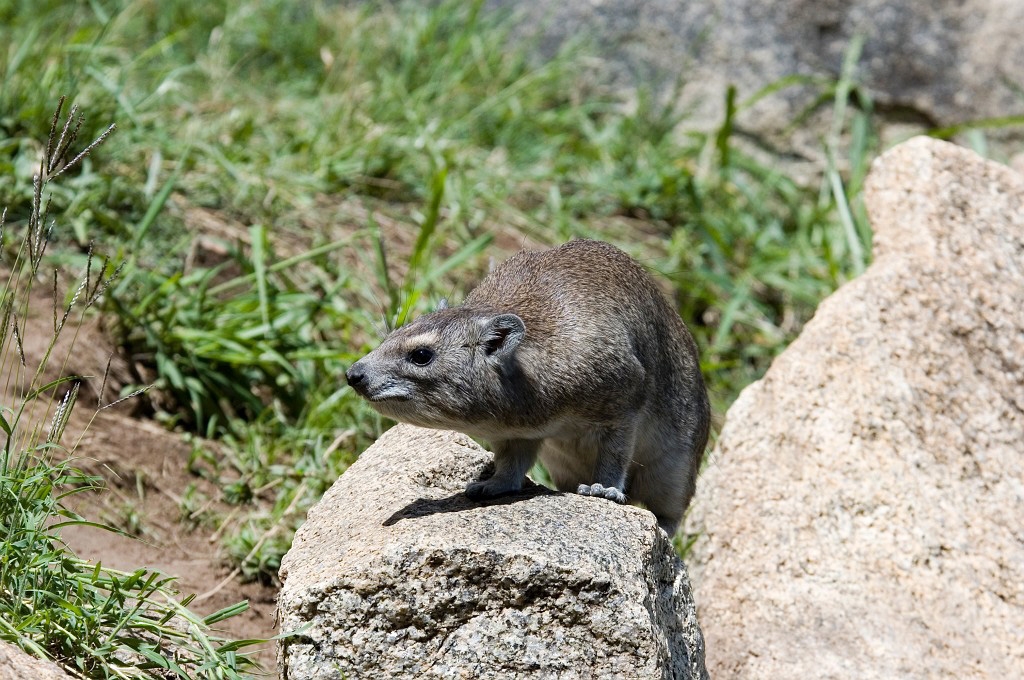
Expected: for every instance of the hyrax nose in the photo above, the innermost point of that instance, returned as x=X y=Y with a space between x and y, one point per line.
x=356 y=376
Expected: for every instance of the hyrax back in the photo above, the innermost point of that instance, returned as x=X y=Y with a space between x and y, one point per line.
x=571 y=353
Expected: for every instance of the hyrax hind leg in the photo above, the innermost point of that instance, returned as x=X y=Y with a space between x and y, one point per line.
x=662 y=494
x=664 y=483
x=513 y=458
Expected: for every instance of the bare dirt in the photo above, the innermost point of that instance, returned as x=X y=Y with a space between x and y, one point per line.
x=146 y=471
x=145 y=468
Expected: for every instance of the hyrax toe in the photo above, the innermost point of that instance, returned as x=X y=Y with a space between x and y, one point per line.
x=601 y=491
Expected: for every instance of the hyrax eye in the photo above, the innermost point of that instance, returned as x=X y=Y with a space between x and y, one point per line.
x=421 y=356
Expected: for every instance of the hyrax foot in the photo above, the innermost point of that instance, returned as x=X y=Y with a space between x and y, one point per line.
x=609 y=492
x=490 y=488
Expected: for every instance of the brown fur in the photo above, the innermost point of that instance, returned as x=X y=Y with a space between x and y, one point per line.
x=572 y=354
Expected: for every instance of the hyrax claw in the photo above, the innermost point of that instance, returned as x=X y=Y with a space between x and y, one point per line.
x=609 y=492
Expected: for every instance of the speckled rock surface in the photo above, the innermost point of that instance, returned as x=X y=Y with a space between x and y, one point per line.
x=863 y=513
x=18 y=665
x=398 y=575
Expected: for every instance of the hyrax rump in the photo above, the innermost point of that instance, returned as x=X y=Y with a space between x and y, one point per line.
x=571 y=353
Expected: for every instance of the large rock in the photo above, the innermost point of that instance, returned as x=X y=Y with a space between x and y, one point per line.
x=936 y=63
x=863 y=513
x=396 y=574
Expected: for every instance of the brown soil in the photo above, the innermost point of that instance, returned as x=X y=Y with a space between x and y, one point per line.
x=145 y=468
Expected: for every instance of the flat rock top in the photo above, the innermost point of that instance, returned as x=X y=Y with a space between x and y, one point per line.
x=402 y=499
x=863 y=508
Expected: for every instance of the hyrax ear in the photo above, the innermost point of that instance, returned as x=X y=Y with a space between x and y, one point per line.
x=501 y=335
x=443 y=304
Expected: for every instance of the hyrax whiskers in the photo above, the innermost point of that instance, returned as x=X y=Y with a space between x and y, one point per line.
x=572 y=354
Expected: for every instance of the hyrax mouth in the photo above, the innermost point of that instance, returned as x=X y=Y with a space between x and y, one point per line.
x=382 y=398
x=388 y=392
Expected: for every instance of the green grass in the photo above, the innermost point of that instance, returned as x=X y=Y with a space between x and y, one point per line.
x=94 y=621
x=351 y=166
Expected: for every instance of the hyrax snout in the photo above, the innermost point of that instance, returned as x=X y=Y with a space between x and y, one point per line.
x=571 y=354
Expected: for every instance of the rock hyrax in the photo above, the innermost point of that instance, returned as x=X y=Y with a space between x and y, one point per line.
x=570 y=353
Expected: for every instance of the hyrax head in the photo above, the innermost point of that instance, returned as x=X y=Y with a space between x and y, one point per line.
x=444 y=370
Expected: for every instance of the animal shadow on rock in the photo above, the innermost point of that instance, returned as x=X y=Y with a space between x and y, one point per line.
x=459 y=502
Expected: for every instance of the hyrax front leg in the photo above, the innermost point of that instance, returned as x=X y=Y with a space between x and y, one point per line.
x=513 y=458
x=614 y=453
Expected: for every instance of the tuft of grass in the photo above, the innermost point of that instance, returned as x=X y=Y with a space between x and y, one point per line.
x=94 y=621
